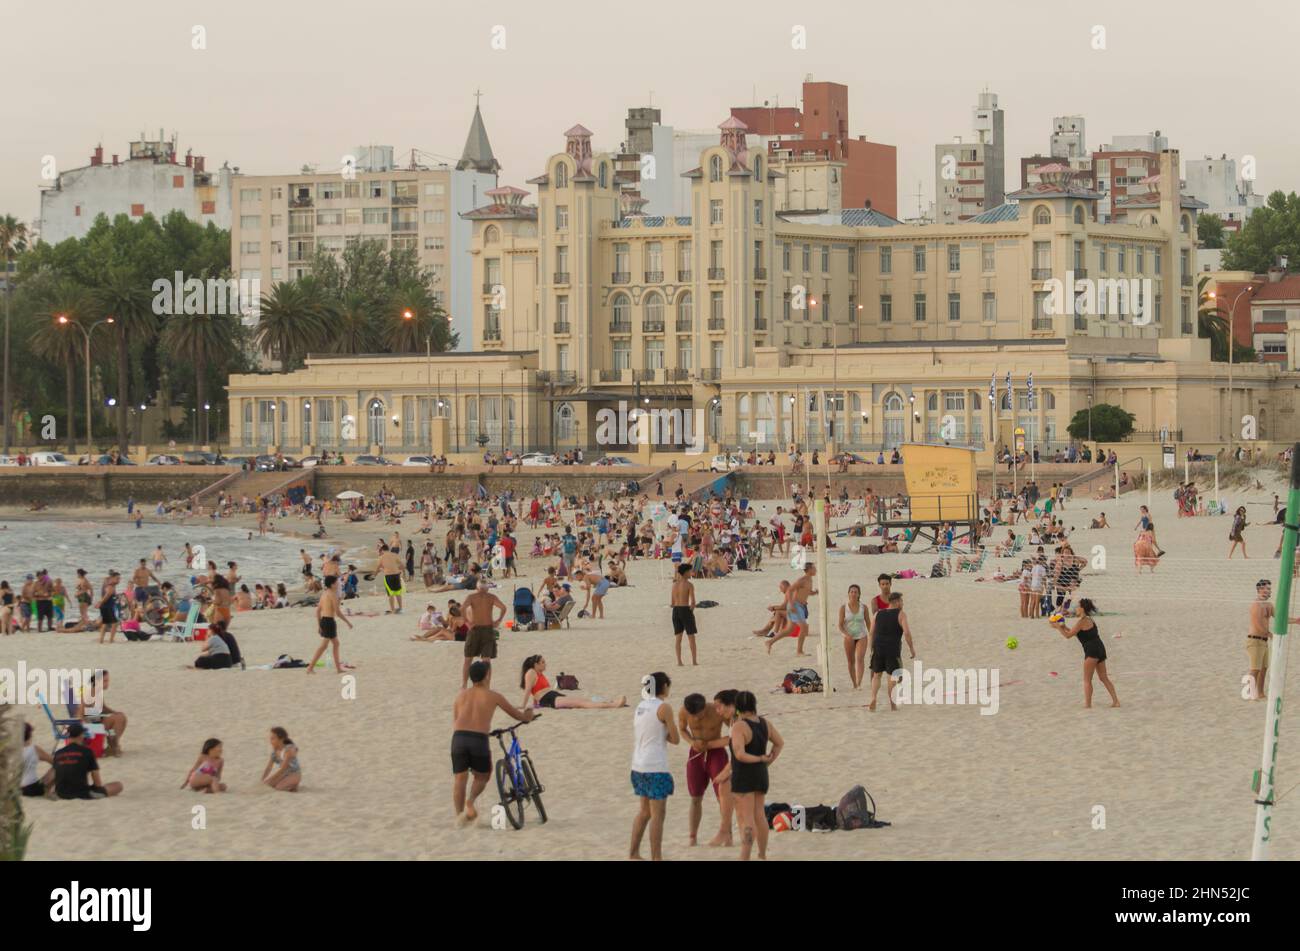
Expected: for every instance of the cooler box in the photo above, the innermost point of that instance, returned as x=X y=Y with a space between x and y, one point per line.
x=96 y=739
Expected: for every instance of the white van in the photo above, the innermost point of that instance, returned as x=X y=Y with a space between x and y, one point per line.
x=50 y=459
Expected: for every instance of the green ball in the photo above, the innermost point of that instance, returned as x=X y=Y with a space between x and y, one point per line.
x=1012 y=643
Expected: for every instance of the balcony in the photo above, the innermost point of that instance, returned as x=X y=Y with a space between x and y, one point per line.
x=1187 y=280
x=654 y=277
x=490 y=287
x=562 y=327
x=405 y=200
x=611 y=376
x=558 y=377
x=684 y=277
x=717 y=323
x=643 y=376
x=760 y=323
x=561 y=277
x=1041 y=324
x=717 y=273
x=1080 y=273
x=1041 y=274
x=652 y=326
x=760 y=274
x=492 y=332
x=621 y=277
x=304 y=202
x=406 y=226
x=711 y=374
x=1187 y=329
x=679 y=375
x=683 y=326
x=618 y=328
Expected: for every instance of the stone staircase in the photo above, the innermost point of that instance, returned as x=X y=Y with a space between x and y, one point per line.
x=255 y=484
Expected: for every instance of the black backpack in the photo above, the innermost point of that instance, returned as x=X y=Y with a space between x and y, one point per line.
x=857 y=810
x=802 y=680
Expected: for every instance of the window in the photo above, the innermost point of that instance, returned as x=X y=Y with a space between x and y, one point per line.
x=807 y=258
x=684 y=257
x=918 y=258
x=715 y=169
x=686 y=309
x=329 y=218
x=954 y=401
x=564 y=420
x=1157 y=257
x=277 y=221
x=785 y=256
x=351 y=189
x=886 y=308
x=1042 y=259
x=562 y=357
x=715 y=306
x=622 y=354
x=561 y=216
x=602 y=176
x=436 y=243
x=562 y=308
x=374 y=189
x=1078 y=214
x=622 y=258
x=1079 y=263
x=250 y=194
x=826 y=259
x=1120 y=256
x=918 y=307
x=715 y=254
x=758 y=212
x=758 y=307
x=990 y=313
x=351 y=216
x=954 y=258
x=715 y=212
x=371 y=216
x=1101 y=258
x=715 y=354
x=1139 y=260
x=562 y=259
x=853 y=260
x=435 y=189
x=886 y=260
x=654 y=354
x=988 y=261
x=622 y=309
x=250 y=247
x=654 y=257
x=178 y=181
x=785 y=306
x=1042 y=216
x=654 y=309
x=685 y=353
x=248 y=222
x=561 y=175
x=954 y=307
x=331 y=190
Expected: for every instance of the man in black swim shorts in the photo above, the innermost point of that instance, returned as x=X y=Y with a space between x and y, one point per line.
x=472 y=712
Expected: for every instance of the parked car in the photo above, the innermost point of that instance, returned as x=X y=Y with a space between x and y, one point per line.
x=309 y=462
x=538 y=459
x=200 y=458
x=239 y=461
x=50 y=459
x=424 y=461
x=107 y=460
x=726 y=461
x=269 y=463
x=614 y=461
x=8 y=460
x=371 y=461
x=163 y=459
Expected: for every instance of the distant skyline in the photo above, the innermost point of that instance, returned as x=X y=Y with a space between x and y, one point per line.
x=278 y=87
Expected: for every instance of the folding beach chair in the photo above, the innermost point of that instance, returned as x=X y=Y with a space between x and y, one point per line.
x=59 y=726
x=560 y=618
x=979 y=564
x=186 y=630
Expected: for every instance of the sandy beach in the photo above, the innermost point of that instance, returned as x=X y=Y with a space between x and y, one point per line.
x=1171 y=769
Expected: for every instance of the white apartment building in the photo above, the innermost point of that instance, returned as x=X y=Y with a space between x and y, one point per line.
x=969 y=177
x=1218 y=183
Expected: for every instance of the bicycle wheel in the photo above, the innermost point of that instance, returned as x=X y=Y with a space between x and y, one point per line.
x=534 y=788
x=155 y=612
x=511 y=801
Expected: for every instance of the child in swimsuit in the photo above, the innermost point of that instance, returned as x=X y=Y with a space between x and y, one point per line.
x=205 y=774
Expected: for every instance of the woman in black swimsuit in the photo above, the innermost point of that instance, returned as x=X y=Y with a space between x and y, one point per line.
x=750 y=735
x=1094 y=651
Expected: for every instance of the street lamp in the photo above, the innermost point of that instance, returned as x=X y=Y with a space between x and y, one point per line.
x=64 y=321
x=1089 y=417
x=1232 y=339
x=912 y=399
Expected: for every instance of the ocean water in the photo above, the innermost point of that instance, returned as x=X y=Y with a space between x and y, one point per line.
x=64 y=545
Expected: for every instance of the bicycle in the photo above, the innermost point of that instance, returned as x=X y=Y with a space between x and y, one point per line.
x=517 y=781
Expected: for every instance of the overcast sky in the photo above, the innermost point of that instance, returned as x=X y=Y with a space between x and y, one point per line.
x=282 y=84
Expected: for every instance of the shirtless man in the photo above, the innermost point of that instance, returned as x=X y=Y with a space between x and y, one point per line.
x=700 y=724
x=390 y=566
x=158 y=558
x=108 y=607
x=42 y=593
x=140 y=579
x=472 y=712
x=1259 y=639
x=776 y=612
x=480 y=611
x=796 y=610
x=683 y=605
x=330 y=566
x=327 y=618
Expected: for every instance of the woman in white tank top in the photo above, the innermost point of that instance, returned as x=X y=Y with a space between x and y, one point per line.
x=653 y=728
x=854 y=627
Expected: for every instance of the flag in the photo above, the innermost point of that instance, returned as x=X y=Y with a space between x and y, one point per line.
x=1010 y=392
x=993 y=390
x=1029 y=390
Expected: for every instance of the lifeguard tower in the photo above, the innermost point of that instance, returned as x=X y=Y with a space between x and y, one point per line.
x=941 y=488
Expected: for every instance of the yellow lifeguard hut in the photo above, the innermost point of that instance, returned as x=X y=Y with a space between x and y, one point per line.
x=941 y=488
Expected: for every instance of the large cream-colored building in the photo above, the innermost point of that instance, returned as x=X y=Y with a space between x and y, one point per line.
x=849 y=329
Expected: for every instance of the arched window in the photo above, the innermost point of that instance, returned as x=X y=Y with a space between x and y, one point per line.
x=742 y=416
x=932 y=403
x=893 y=403
x=306 y=423
x=375 y=429
x=561 y=174
x=1049 y=399
x=491 y=235
x=1187 y=224
x=1078 y=214
x=715 y=169
x=758 y=168
x=855 y=418
x=1042 y=216
x=564 y=418
x=622 y=309
x=894 y=425
x=686 y=309
x=976 y=402
x=248 y=423
x=654 y=309
x=602 y=175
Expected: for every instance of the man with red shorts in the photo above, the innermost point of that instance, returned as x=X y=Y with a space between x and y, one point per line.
x=701 y=725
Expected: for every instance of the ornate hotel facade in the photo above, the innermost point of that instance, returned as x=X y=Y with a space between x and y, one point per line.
x=840 y=327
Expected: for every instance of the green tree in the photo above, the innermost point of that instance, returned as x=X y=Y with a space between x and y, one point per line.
x=350 y=328
x=292 y=323
x=123 y=297
x=13 y=240
x=1209 y=229
x=1109 y=423
x=202 y=340
x=1270 y=232
x=62 y=344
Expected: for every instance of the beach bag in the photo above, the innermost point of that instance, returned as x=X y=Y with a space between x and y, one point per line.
x=936 y=570
x=285 y=661
x=567 y=682
x=857 y=810
x=820 y=819
x=802 y=680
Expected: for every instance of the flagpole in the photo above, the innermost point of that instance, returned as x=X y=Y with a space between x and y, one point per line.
x=823 y=599
x=1266 y=780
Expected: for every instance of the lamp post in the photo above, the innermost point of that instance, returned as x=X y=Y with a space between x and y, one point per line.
x=1232 y=340
x=63 y=320
x=1089 y=417
x=912 y=421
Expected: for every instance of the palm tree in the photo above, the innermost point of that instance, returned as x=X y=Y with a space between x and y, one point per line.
x=403 y=334
x=58 y=342
x=350 y=329
x=292 y=322
x=122 y=297
x=13 y=239
x=1211 y=323
x=200 y=340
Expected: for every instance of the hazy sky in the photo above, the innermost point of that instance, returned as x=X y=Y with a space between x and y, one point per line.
x=283 y=84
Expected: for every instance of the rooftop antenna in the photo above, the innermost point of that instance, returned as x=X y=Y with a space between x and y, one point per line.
x=918 y=198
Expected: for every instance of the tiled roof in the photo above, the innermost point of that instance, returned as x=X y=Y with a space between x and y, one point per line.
x=1005 y=212
x=867 y=218
x=502 y=211
x=1286 y=289
x=1045 y=190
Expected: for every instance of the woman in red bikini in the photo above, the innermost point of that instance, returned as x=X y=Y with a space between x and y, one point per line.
x=537 y=690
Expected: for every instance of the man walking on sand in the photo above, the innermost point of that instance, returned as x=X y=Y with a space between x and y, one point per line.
x=472 y=712
x=480 y=611
x=327 y=615
x=1260 y=638
x=796 y=602
x=390 y=566
x=683 y=605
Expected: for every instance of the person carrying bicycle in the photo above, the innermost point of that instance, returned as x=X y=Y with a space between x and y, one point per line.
x=472 y=713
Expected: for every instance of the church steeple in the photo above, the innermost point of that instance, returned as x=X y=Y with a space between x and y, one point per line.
x=478 y=150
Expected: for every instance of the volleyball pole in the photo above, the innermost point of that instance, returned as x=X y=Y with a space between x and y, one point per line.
x=1266 y=779
x=823 y=599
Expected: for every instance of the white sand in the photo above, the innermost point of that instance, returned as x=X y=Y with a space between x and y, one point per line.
x=1171 y=768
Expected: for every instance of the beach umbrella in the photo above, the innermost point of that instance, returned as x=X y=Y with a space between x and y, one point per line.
x=349 y=494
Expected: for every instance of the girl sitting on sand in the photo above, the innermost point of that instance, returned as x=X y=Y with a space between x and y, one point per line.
x=205 y=774
x=537 y=690
x=283 y=771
